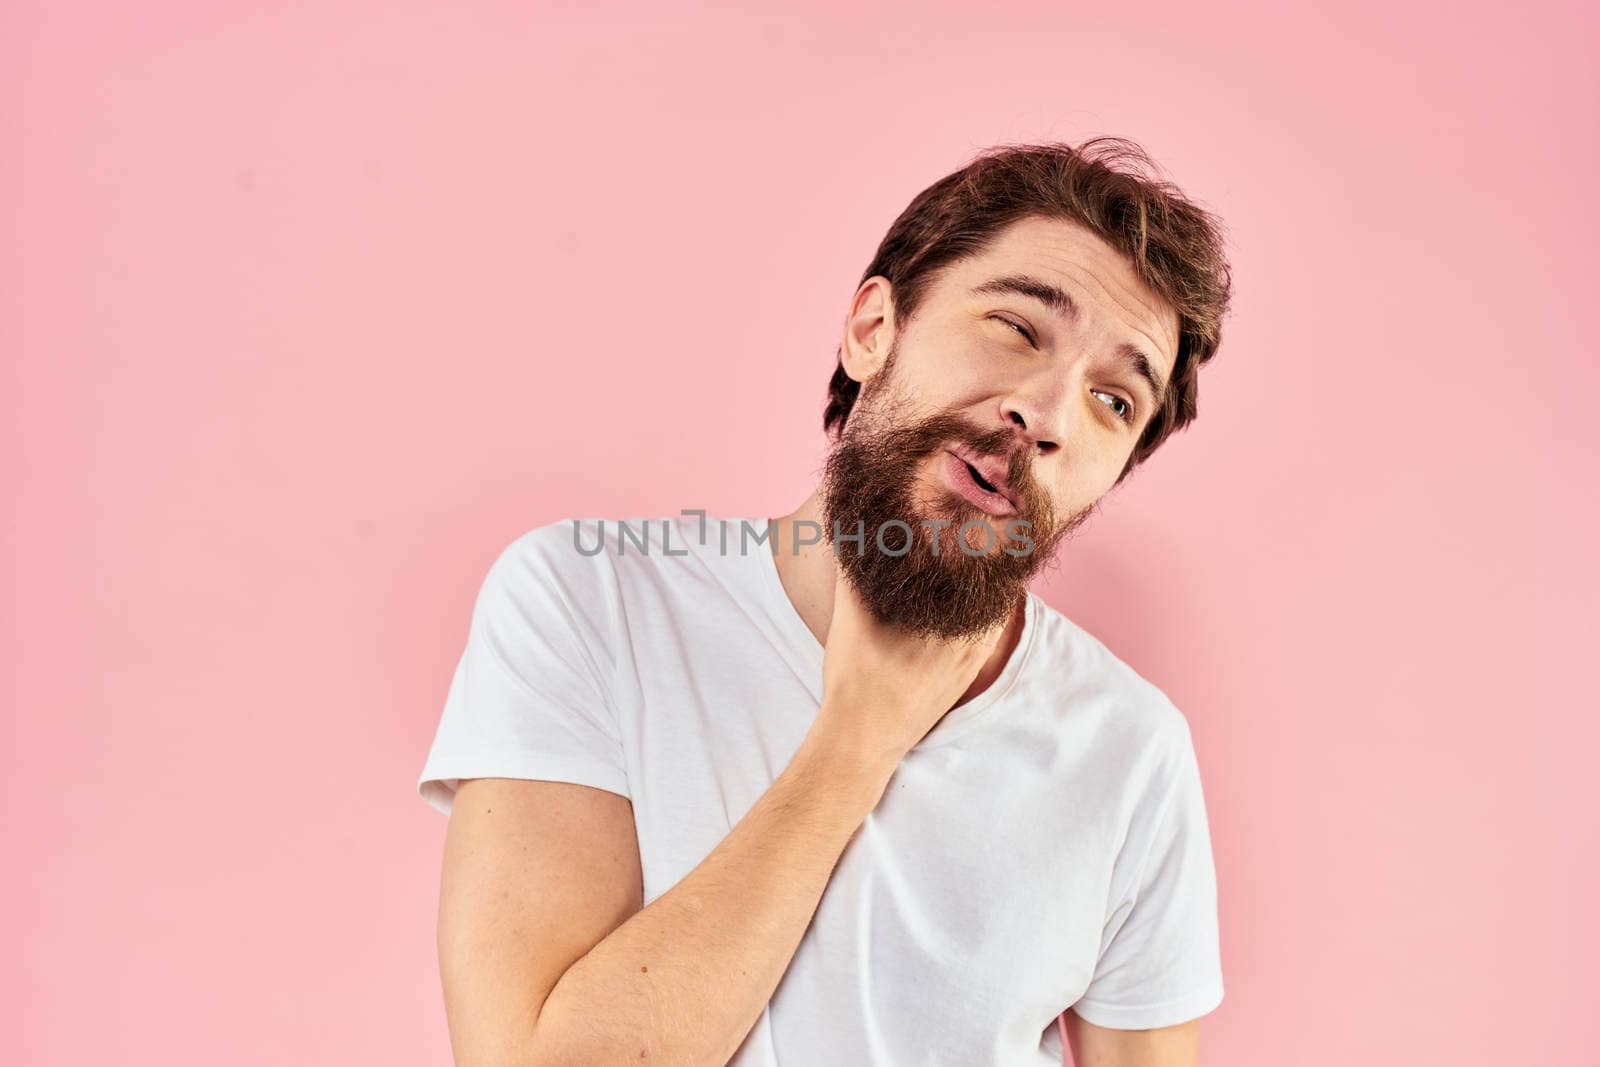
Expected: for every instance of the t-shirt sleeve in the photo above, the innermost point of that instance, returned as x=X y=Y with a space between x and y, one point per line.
x=1160 y=961
x=530 y=696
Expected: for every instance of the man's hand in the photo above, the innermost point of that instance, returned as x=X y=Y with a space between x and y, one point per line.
x=884 y=688
x=684 y=978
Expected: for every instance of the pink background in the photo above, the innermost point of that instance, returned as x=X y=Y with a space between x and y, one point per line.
x=307 y=314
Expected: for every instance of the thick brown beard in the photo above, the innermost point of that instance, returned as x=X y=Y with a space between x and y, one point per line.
x=870 y=479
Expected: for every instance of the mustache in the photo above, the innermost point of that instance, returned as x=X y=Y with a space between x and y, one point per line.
x=933 y=433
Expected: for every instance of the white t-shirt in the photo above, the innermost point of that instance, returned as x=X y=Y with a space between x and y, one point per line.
x=1045 y=846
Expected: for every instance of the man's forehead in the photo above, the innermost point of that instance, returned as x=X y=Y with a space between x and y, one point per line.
x=1067 y=256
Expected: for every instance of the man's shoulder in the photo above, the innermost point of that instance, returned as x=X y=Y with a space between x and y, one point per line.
x=571 y=539
x=570 y=572
x=608 y=554
x=1086 y=669
x=552 y=547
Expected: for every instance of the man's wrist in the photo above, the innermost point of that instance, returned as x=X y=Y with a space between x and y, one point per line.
x=846 y=763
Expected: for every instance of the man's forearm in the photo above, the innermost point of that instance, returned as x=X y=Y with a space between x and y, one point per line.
x=684 y=978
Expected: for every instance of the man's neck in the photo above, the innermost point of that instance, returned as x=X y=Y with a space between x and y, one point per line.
x=807 y=575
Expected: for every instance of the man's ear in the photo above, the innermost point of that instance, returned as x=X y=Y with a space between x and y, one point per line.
x=869 y=331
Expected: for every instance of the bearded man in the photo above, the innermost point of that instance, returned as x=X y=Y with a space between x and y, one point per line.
x=837 y=787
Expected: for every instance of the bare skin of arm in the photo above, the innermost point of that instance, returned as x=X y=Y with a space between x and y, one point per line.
x=545 y=954
x=1165 y=1046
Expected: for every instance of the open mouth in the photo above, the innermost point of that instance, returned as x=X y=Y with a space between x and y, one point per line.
x=980 y=479
x=968 y=482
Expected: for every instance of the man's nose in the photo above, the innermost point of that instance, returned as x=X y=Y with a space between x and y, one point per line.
x=1038 y=411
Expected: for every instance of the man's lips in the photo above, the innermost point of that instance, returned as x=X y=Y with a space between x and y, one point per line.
x=992 y=468
x=998 y=500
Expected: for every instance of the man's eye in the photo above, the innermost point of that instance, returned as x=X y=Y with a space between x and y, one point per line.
x=1126 y=414
x=1023 y=330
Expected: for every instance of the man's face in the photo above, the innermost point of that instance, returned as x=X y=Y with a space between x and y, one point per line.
x=1006 y=408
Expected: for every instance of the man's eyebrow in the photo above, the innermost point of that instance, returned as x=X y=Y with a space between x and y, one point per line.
x=1055 y=298
x=1144 y=369
x=1060 y=303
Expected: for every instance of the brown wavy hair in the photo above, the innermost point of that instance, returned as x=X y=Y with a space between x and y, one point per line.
x=1107 y=184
